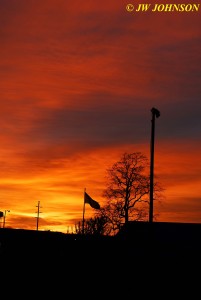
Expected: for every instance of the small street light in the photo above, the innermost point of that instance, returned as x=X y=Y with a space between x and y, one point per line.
x=1 y=216
x=4 y=217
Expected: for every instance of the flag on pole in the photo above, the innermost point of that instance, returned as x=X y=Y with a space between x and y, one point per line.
x=90 y=201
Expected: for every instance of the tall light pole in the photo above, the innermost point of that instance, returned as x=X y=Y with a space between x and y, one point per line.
x=155 y=114
x=4 y=217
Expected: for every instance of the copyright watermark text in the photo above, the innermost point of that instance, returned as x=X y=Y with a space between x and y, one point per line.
x=159 y=7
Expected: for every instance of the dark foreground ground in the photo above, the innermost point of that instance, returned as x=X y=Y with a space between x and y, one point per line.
x=143 y=258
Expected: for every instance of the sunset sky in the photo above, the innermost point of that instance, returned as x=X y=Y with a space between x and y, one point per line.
x=78 y=80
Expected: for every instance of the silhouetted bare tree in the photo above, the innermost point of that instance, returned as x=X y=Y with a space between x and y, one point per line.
x=94 y=226
x=127 y=192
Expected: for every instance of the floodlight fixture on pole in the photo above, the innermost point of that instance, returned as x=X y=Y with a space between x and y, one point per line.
x=155 y=114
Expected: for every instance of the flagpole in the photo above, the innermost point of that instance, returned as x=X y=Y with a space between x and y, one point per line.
x=83 y=212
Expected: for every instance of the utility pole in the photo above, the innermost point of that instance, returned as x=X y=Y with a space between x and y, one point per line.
x=155 y=113
x=38 y=213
